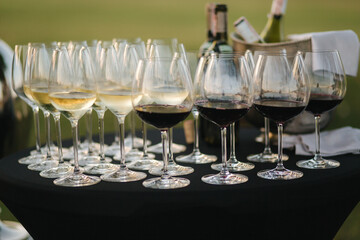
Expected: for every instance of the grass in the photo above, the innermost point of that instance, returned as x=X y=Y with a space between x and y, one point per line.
x=23 y=21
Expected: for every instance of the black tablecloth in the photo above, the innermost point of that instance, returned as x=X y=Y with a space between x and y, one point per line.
x=313 y=207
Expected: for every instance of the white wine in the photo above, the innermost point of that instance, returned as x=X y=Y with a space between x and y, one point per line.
x=273 y=31
x=72 y=104
x=166 y=95
x=27 y=93
x=116 y=100
x=40 y=94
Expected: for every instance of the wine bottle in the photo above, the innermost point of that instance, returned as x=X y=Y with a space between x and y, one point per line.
x=273 y=31
x=246 y=31
x=217 y=42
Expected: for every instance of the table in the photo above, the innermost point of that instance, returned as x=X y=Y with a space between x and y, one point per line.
x=313 y=207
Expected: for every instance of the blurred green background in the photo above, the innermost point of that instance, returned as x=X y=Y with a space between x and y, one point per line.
x=23 y=21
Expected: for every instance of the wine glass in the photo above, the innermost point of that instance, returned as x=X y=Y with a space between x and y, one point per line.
x=37 y=67
x=129 y=65
x=233 y=164
x=162 y=96
x=165 y=47
x=17 y=80
x=281 y=92
x=224 y=95
x=266 y=155
x=103 y=165
x=196 y=156
x=37 y=88
x=114 y=92
x=328 y=88
x=71 y=91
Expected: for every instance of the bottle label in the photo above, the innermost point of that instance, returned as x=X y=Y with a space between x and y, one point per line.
x=246 y=31
x=278 y=7
x=219 y=23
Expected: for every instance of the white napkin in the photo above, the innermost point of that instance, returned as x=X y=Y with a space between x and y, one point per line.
x=346 y=42
x=335 y=142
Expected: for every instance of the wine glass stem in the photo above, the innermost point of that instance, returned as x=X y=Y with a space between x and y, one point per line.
x=232 y=141
x=74 y=130
x=164 y=142
x=170 y=140
x=224 y=169
x=89 y=130
x=267 y=149
x=317 y=138
x=280 y=165
x=196 y=122
x=47 y=134
x=101 y=114
x=58 y=136
x=121 y=121
x=37 y=129
x=144 y=132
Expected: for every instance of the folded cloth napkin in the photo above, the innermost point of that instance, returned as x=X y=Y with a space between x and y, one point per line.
x=346 y=42
x=335 y=142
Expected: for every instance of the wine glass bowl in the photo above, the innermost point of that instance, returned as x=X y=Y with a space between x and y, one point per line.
x=281 y=92
x=328 y=88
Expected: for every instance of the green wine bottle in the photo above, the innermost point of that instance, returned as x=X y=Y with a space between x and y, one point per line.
x=273 y=31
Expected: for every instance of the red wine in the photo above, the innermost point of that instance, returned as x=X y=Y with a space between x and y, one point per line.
x=162 y=116
x=320 y=103
x=279 y=110
x=222 y=113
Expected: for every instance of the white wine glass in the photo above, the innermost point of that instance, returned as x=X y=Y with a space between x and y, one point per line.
x=196 y=157
x=17 y=80
x=71 y=92
x=224 y=95
x=37 y=87
x=328 y=88
x=114 y=92
x=162 y=97
x=37 y=70
x=281 y=92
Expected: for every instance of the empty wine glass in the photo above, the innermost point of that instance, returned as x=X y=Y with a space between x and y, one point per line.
x=281 y=92
x=114 y=92
x=17 y=80
x=162 y=96
x=224 y=95
x=71 y=91
x=196 y=156
x=328 y=88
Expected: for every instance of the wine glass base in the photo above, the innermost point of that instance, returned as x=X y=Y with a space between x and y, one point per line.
x=70 y=154
x=88 y=160
x=129 y=156
x=57 y=172
x=77 y=180
x=32 y=159
x=318 y=164
x=166 y=183
x=112 y=150
x=196 y=158
x=234 y=166
x=123 y=175
x=266 y=157
x=224 y=179
x=44 y=165
x=280 y=174
x=138 y=142
x=144 y=164
x=100 y=168
x=173 y=170
x=12 y=230
x=176 y=148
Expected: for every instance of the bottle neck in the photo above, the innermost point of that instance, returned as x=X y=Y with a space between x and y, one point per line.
x=219 y=26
